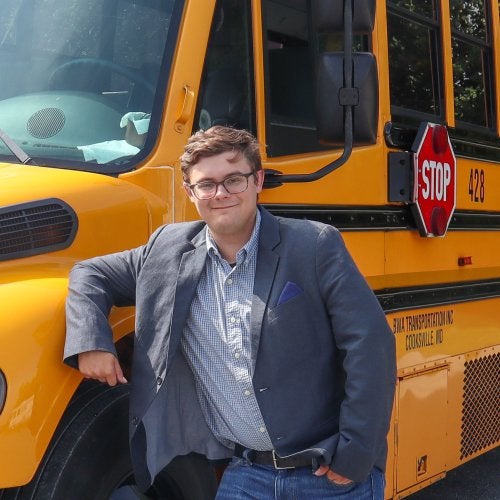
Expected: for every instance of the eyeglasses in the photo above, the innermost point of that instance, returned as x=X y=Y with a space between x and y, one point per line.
x=233 y=184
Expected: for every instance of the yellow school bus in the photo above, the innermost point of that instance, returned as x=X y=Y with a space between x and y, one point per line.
x=353 y=102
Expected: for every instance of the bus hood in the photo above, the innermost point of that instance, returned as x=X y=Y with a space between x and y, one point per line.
x=55 y=216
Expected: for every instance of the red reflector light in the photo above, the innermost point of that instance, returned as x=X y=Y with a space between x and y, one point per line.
x=465 y=261
x=439 y=221
x=439 y=139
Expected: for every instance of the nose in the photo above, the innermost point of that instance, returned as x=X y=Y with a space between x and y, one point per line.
x=221 y=191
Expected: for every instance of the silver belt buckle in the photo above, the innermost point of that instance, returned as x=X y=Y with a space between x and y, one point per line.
x=275 y=462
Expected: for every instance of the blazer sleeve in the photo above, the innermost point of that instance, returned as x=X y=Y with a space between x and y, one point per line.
x=367 y=347
x=95 y=286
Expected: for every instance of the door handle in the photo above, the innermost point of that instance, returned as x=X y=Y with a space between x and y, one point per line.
x=186 y=110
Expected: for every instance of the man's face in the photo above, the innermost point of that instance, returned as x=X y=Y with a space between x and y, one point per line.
x=227 y=215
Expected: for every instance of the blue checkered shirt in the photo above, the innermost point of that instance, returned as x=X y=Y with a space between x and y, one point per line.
x=218 y=347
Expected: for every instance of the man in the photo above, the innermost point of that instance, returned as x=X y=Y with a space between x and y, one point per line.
x=256 y=338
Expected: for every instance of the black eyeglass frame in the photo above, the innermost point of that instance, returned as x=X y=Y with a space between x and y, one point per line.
x=192 y=187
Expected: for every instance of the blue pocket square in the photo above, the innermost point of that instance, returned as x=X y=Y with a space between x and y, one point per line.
x=289 y=291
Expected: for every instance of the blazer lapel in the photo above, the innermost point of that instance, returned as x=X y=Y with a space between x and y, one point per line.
x=267 y=264
x=190 y=268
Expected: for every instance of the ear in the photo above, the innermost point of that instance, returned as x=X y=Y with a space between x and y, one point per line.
x=188 y=191
x=259 y=181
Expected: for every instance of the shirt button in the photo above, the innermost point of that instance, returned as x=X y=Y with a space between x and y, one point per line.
x=247 y=392
x=229 y=281
x=237 y=355
x=232 y=319
x=262 y=429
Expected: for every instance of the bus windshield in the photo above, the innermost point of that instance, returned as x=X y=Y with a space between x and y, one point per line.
x=78 y=79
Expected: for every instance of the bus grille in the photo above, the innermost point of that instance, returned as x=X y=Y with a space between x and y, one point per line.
x=37 y=227
x=480 y=419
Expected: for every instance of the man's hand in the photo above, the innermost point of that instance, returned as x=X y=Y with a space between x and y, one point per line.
x=332 y=476
x=102 y=366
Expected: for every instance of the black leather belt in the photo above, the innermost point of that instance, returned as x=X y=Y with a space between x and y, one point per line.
x=270 y=458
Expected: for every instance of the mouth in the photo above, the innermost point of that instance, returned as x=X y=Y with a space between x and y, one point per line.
x=224 y=207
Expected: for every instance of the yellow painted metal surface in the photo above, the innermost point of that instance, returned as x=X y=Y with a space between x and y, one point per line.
x=436 y=413
x=186 y=73
x=361 y=181
x=428 y=335
x=112 y=215
x=39 y=386
x=446 y=50
x=421 y=423
x=433 y=344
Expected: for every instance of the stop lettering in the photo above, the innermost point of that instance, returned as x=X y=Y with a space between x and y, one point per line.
x=436 y=177
x=434 y=180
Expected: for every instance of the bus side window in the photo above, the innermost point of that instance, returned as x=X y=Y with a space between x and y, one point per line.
x=472 y=63
x=227 y=91
x=415 y=78
x=289 y=57
x=291 y=46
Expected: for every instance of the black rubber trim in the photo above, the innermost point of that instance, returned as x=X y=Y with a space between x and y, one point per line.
x=385 y=218
x=397 y=299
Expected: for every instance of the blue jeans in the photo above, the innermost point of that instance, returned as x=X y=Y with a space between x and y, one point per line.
x=245 y=481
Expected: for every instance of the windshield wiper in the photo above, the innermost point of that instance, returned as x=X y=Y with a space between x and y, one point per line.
x=15 y=149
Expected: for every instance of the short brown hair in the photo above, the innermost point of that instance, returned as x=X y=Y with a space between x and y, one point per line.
x=217 y=140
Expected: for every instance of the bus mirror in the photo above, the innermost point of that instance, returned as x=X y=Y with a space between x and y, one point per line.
x=328 y=15
x=331 y=97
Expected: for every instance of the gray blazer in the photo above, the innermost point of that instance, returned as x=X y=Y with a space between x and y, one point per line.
x=325 y=356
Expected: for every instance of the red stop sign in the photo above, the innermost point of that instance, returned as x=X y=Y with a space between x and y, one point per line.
x=434 y=179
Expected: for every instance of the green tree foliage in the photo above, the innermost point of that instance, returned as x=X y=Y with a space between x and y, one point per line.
x=416 y=67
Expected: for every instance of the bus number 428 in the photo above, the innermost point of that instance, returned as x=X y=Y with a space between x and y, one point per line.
x=476 y=185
